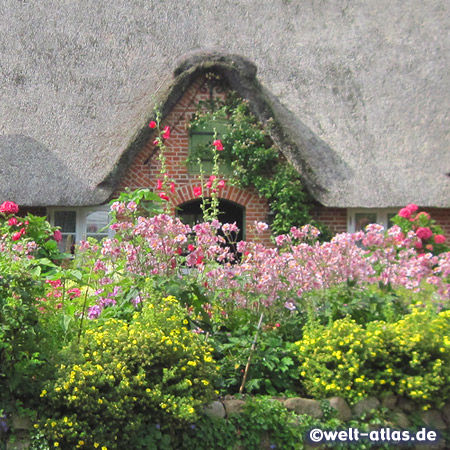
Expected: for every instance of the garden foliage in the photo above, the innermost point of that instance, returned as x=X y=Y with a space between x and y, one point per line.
x=152 y=323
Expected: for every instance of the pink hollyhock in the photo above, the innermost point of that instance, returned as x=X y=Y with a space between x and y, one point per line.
x=218 y=144
x=439 y=239
x=57 y=236
x=212 y=177
x=405 y=212
x=191 y=248
x=13 y=221
x=166 y=134
x=155 y=142
x=208 y=184
x=152 y=124
x=9 y=208
x=172 y=187
x=163 y=196
x=221 y=184
x=159 y=184
x=197 y=191
x=424 y=233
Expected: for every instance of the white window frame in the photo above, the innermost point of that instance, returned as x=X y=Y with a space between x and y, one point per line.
x=382 y=216
x=81 y=216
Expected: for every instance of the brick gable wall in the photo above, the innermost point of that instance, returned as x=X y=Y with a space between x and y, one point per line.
x=145 y=170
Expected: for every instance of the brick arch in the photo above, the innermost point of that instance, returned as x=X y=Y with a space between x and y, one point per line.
x=185 y=193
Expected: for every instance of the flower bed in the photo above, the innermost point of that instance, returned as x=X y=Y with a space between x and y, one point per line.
x=156 y=322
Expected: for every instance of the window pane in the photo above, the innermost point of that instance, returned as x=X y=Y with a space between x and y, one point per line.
x=66 y=220
x=363 y=219
x=96 y=221
x=66 y=243
x=390 y=216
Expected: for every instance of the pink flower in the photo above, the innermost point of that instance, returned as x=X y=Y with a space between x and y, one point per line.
x=166 y=134
x=172 y=187
x=218 y=144
x=423 y=214
x=159 y=184
x=277 y=325
x=439 y=239
x=197 y=191
x=16 y=236
x=412 y=207
x=208 y=184
x=152 y=124
x=191 y=248
x=424 y=233
x=429 y=247
x=13 y=221
x=405 y=212
x=74 y=293
x=221 y=184
x=163 y=196
x=57 y=236
x=9 y=208
x=156 y=142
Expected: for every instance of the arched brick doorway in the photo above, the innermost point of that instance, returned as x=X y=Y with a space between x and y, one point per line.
x=230 y=212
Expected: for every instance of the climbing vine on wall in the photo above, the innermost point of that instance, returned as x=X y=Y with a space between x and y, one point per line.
x=254 y=160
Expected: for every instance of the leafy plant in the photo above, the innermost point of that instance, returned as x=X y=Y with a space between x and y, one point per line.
x=257 y=162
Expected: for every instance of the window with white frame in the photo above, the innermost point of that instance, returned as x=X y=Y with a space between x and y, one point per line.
x=77 y=224
x=358 y=219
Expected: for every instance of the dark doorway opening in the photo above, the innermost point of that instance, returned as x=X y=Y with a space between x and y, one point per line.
x=190 y=213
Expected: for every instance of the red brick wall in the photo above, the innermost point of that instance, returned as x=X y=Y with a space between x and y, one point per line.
x=334 y=218
x=442 y=218
x=145 y=169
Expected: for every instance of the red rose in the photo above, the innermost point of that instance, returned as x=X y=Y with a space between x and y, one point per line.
x=9 y=208
x=424 y=233
x=218 y=144
x=405 y=212
x=57 y=236
x=13 y=221
x=152 y=124
x=166 y=134
x=412 y=207
x=439 y=239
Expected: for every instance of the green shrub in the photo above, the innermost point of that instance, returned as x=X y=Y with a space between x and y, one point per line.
x=126 y=376
x=409 y=357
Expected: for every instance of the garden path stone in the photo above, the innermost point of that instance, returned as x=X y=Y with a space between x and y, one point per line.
x=304 y=406
x=433 y=419
x=366 y=406
x=215 y=409
x=401 y=421
x=344 y=413
x=389 y=401
x=406 y=405
x=445 y=411
x=233 y=406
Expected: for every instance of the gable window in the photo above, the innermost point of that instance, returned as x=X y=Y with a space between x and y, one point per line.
x=358 y=219
x=200 y=147
x=78 y=224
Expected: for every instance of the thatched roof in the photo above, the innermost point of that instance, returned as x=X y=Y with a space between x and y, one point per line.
x=358 y=90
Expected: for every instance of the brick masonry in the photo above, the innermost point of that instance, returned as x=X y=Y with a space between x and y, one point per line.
x=145 y=170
